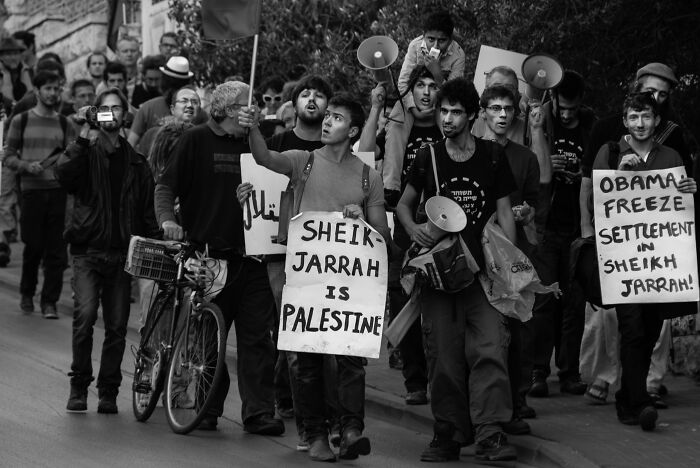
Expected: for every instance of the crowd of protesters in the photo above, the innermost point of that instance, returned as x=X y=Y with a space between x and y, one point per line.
x=74 y=190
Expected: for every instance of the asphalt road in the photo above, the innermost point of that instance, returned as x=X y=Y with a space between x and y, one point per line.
x=36 y=430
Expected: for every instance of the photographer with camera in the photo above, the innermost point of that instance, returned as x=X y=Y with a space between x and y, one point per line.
x=35 y=139
x=112 y=187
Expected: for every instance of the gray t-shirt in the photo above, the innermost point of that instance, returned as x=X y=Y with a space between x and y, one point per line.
x=331 y=186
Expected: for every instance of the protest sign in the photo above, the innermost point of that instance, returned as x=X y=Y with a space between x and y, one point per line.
x=490 y=57
x=645 y=237
x=333 y=300
x=261 y=209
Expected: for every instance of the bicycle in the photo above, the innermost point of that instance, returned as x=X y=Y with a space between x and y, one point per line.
x=191 y=347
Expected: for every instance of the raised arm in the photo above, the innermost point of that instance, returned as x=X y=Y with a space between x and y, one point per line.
x=276 y=162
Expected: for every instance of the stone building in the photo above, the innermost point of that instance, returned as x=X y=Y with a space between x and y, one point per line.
x=74 y=28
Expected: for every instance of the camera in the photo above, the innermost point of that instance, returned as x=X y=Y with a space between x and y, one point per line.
x=434 y=52
x=93 y=117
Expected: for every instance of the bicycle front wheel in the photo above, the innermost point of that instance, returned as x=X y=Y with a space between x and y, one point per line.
x=196 y=367
x=149 y=368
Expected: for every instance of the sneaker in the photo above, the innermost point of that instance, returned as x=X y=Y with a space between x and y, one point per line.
x=303 y=444
x=647 y=418
x=264 y=424
x=419 y=397
x=319 y=450
x=353 y=444
x=335 y=434
x=107 y=404
x=77 y=401
x=48 y=310
x=516 y=426
x=285 y=412
x=539 y=388
x=495 y=448
x=26 y=303
x=574 y=386
x=659 y=403
x=208 y=423
x=443 y=447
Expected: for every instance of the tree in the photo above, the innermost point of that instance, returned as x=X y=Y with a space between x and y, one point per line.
x=604 y=40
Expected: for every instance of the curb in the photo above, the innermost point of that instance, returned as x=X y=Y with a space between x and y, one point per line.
x=532 y=450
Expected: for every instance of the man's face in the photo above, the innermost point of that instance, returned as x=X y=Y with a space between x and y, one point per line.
x=97 y=66
x=128 y=53
x=186 y=105
x=336 y=126
x=311 y=106
x=49 y=94
x=641 y=124
x=659 y=87
x=568 y=111
x=168 y=47
x=11 y=58
x=498 y=115
x=453 y=119
x=84 y=96
x=424 y=93
x=437 y=39
x=116 y=80
x=499 y=79
x=152 y=80
x=273 y=100
x=111 y=103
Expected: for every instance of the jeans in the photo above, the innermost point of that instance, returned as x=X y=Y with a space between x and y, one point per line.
x=659 y=358
x=466 y=348
x=99 y=277
x=415 y=372
x=639 y=325
x=246 y=300
x=41 y=223
x=313 y=384
x=556 y=323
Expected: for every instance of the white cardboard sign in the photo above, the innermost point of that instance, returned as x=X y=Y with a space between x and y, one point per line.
x=261 y=209
x=645 y=237
x=333 y=300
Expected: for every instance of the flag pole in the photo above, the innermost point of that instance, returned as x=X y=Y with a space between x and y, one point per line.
x=252 y=70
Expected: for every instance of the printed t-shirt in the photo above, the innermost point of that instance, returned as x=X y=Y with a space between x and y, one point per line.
x=565 y=213
x=474 y=184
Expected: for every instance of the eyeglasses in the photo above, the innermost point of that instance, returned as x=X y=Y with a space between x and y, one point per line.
x=108 y=109
x=498 y=109
x=185 y=101
x=268 y=98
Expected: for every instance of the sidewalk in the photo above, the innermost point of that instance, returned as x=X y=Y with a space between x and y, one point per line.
x=566 y=433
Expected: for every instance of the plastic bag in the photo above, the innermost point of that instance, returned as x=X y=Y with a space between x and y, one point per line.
x=509 y=279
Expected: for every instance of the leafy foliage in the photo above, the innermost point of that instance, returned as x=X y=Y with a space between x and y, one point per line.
x=605 y=40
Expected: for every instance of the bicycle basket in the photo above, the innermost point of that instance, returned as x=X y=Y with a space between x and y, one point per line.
x=150 y=259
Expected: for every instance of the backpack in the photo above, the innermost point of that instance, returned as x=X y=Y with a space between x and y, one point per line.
x=290 y=204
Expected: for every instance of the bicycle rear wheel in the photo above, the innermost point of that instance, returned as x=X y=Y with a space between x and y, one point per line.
x=149 y=368
x=195 y=368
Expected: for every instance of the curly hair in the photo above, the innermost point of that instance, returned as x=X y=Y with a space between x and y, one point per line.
x=164 y=143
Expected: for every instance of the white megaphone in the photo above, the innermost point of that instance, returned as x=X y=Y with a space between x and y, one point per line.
x=541 y=72
x=444 y=216
x=378 y=53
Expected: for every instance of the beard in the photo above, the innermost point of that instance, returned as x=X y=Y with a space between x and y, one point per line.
x=310 y=119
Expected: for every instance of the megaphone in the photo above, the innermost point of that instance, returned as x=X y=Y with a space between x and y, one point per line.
x=444 y=216
x=378 y=53
x=541 y=72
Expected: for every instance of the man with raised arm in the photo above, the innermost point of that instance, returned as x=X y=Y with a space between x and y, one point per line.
x=334 y=184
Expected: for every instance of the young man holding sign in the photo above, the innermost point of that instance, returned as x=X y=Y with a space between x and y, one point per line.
x=639 y=324
x=333 y=184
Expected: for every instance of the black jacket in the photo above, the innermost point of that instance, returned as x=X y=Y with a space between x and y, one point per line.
x=83 y=170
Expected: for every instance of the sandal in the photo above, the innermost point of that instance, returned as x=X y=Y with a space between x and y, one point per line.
x=596 y=394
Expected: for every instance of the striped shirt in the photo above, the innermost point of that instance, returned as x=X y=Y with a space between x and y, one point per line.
x=42 y=137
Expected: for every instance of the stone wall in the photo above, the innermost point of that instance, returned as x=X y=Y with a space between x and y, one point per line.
x=70 y=28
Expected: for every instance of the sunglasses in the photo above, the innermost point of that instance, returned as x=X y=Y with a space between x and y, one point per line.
x=268 y=98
